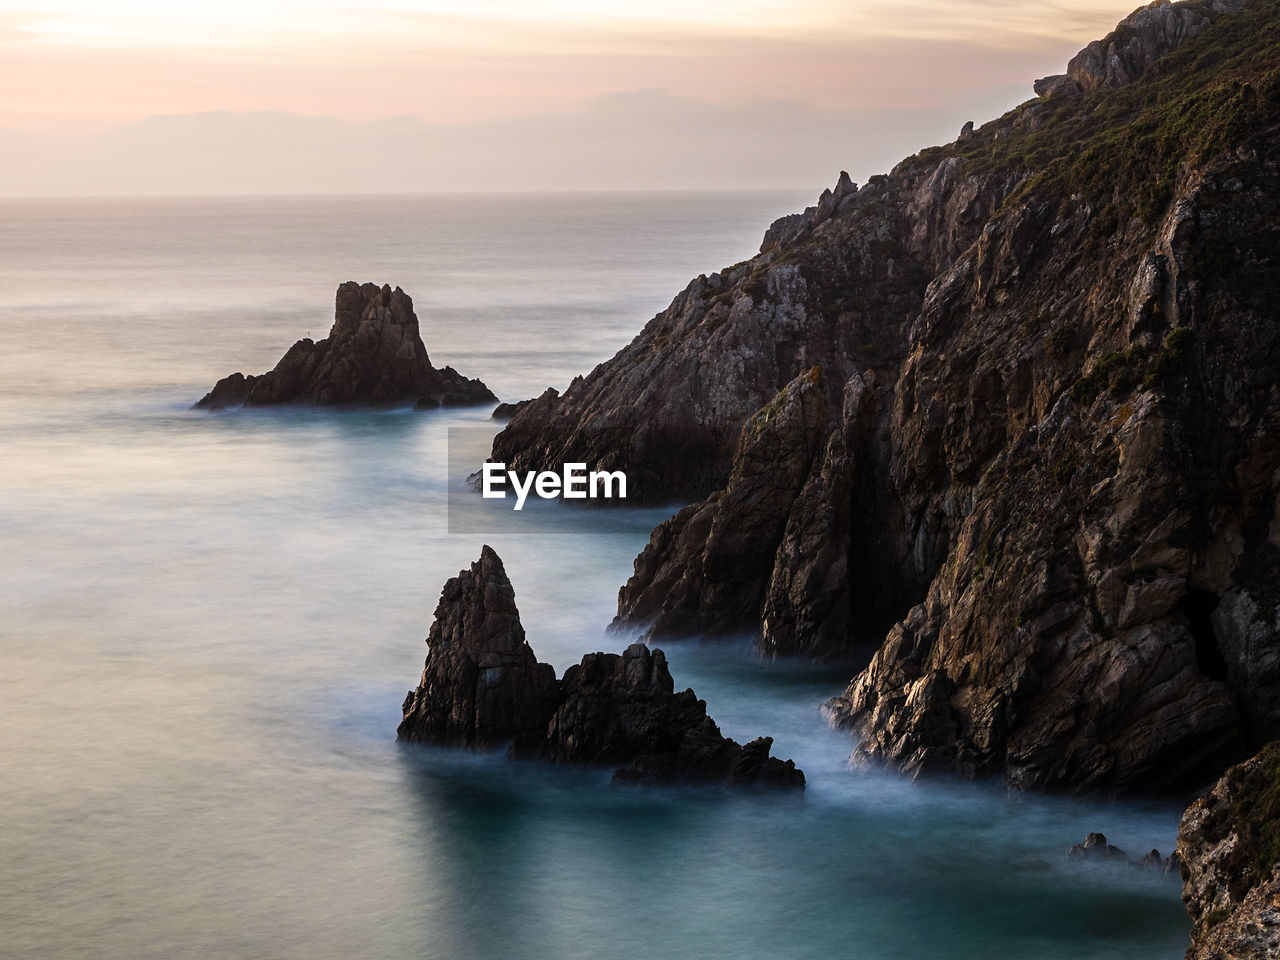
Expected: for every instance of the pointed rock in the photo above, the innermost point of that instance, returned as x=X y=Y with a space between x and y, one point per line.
x=373 y=355
x=482 y=684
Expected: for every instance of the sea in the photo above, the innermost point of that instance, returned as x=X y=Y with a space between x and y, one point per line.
x=208 y=623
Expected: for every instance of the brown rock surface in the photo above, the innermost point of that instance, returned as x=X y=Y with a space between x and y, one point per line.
x=706 y=569
x=1229 y=847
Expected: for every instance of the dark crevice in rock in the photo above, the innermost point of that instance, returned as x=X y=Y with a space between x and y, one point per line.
x=1198 y=606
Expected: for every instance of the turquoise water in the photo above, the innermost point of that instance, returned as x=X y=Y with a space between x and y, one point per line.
x=208 y=623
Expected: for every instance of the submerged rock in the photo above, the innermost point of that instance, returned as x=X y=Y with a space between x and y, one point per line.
x=483 y=686
x=373 y=355
x=1229 y=846
x=1095 y=847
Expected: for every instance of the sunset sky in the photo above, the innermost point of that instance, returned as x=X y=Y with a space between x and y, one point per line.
x=143 y=96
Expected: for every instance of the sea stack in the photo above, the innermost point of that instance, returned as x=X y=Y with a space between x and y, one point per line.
x=374 y=354
x=483 y=686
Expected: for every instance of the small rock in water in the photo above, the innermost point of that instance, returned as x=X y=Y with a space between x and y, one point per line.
x=1095 y=847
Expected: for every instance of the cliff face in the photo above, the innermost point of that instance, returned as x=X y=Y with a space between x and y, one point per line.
x=1048 y=466
x=1229 y=845
x=374 y=354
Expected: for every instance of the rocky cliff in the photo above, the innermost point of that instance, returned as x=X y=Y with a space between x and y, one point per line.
x=1229 y=845
x=374 y=355
x=1048 y=467
x=482 y=686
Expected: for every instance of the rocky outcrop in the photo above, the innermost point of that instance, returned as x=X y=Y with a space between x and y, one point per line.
x=668 y=409
x=1051 y=481
x=770 y=552
x=1130 y=50
x=482 y=686
x=373 y=355
x=1095 y=847
x=1229 y=845
x=505 y=411
x=706 y=569
x=623 y=710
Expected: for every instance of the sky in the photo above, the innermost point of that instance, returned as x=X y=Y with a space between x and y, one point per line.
x=281 y=96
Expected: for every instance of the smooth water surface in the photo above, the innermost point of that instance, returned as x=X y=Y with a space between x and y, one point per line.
x=208 y=623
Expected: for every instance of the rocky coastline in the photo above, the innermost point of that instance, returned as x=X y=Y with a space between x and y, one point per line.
x=1038 y=452
x=1013 y=409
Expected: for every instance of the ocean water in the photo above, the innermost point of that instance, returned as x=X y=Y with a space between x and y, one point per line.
x=208 y=623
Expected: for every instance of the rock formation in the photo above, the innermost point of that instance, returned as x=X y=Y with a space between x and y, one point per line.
x=706 y=569
x=505 y=411
x=373 y=355
x=482 y=686
x=623 y=709
x=1229 y=845
x=1132 y=48
x=1095 y=847
x=1049 y=468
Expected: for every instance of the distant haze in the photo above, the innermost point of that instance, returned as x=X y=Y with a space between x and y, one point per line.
x=281 y=96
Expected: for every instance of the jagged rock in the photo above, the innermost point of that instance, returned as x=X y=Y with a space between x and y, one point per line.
x=1151 y=861
x=1095 y=847
x=482 y=686
x=1229 y=846
x=374 y=354
x=1063 y=513
x=1059 y=85
x=785 y=229
x=844 y=187
x=705 y=570
x=1139 y=41
x=505 y=411
x=809 y=606
x=623 y=709
x=966 y=132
